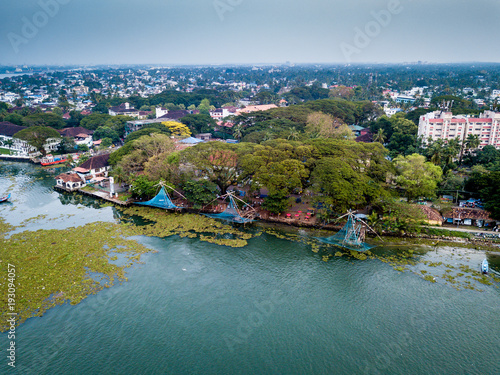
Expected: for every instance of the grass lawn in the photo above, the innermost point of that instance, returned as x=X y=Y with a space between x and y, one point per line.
x=4 y=151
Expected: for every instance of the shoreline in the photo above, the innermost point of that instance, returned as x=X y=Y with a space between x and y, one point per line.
x=282 y=223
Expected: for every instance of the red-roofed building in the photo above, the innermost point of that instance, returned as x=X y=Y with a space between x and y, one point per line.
x=443 y=125
x=70 y=181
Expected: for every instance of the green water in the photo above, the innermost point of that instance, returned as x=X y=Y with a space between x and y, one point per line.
x=272 y=307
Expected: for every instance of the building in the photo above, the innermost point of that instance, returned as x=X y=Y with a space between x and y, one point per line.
x=7 y=140
x=255 y=108
x=80 y=135
x=70 y=181
x=204 y=136
x=443 y=125
x=160 y=111
x=93 y=168
x=404 y=99
x=124 y=109
x=221 y=113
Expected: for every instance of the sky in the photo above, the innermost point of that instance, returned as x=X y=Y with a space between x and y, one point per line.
x=202 y=32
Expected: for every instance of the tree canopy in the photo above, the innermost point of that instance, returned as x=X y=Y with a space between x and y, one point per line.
x=37 y=136
x=416 y=176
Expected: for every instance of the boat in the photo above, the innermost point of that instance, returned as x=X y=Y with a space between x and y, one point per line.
x=51 y=160
x=484 y=266
x=5 y=198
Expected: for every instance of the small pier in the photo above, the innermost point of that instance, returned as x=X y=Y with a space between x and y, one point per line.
x=103 y=195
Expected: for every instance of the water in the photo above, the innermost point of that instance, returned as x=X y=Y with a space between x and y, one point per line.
x=272 y=307
x=9 y=75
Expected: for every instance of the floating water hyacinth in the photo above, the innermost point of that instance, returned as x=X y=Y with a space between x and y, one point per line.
x=165 y=224
x=54 y=266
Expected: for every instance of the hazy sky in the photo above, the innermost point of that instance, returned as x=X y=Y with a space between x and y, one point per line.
x=247 y=31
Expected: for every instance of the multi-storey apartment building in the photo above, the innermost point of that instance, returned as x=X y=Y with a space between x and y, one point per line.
x=443 y=125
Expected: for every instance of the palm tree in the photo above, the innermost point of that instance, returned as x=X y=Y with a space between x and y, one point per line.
x=471 y=142
x=435 y=151
x=237 y=131
x=379 y=136
x=294 y=134
x=9 y=143
x=120 y=175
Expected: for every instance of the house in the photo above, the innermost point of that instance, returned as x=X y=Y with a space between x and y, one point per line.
x=132 y=126
x=356 y=129
x=80 y=135
x=93 y=168
x=221 y=113
x=7 y=140
x=160 y=111
x=70 y=181
x=468 y=216
x=20 y=147
x=204 y=136
x=177 y=115
x=365 y=135
x=433 y=217
x=124 y=109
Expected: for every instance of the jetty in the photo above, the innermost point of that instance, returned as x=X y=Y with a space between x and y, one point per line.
x=103 y=195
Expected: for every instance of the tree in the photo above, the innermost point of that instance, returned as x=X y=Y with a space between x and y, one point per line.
x=200 y=193
x=293 y=134
x=200 y=123
x=321 y=125
x=119 y=175
x=82 y=148
x=66 y=145
x=93 y=121
x=488 y=156
x=214 y=160
x=142 y=187
x=379 y=136
x=341 y=92
x=487 y=183
x=106 y=132
x=177 y=128
x=416 y=176
x=204 y=107
x=403 y=137
x=14 y=118
x=106 y=142
x=37 y=136
x=237 y=131
x=134 y=156
x=44 y=119
x=276 y=202
x=343 y=183
x=470 y=143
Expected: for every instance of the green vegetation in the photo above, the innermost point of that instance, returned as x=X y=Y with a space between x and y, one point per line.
x=164 y=224
x=54 y=266
x=37 y=136
x=447 y=233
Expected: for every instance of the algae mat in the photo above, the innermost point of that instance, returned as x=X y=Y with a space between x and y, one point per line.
x=52 y=267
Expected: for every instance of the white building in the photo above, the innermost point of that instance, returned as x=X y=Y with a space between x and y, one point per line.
x=15 y=145
x=161 y=111
x=220 y=113
x=443 y=125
